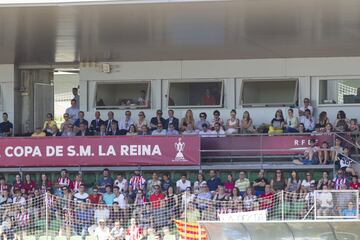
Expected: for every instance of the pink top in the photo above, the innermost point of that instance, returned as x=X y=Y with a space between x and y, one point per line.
x=229 y=186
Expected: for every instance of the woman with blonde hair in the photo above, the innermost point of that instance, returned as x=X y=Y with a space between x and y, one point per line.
x=188 y=119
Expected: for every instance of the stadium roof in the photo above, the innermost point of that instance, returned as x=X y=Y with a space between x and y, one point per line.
x=47 y=32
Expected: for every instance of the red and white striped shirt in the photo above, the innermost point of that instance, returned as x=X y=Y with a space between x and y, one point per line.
x=22 y=219
x=134 y=232
x=64 y=182
x=76 y=185
x=137 y=182
x=338 y=182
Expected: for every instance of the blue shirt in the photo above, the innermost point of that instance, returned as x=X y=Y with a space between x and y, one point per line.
x=102 y=182
x=213 y=184
x=348 y=212
x=108 y=198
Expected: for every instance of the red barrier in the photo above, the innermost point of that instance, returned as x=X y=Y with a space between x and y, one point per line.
x=100 y=151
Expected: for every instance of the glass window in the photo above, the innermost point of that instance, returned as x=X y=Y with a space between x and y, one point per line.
x=274 y=92
x=122 y=95
x=339 y=91
x=204 y=94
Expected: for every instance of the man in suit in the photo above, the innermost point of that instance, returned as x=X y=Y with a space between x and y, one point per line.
x=114 y=131
x=155 y=120
x=111 y=120
x=102 y=132
x=83 y=130
x=172 y=120
x=96 y=123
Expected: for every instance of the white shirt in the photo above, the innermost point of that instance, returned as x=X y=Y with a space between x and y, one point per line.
x=193 y=132
x=324 y=198
x=208 y=133
x=172 y=132
x=73 y=114
x=125 y=124
x=101 y=214
x=157 y=133
x=123 y=185
x=20 y=200
x=303 y=108
x=182 y=186
x=221 y=133
x=81 y=197
x=121 y=200
x=102 y=233
x=309 y=123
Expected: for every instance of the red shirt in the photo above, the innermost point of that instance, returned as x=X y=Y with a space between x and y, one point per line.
x=18 y=185
x=29 y=187
x=354 y=185
x=4 y=187
x=155 y=199
x=95 y=198
x=208 y=100
x=267 y=201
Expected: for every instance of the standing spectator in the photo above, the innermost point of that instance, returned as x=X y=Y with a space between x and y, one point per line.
x=159 y=131
x=308 y=121
x=336 y=150
x=95 y=197
x=217 y=119
x=111 y=120
x=121 y=201
x=229 y=184
x=166 y=182
x=141 y=121
x=242 y=183
x=102 y=232
x=214 y=182
x=45 y=184
x=260 y=183
x=200 y=180
x=77 y=183
x=277 y=123
x=324 y=180
x=75 y=92
x=344 y=160
x=205 y=131
x=293 y=183
x=246 y=125
x=182 y=184
x=342 y=123
x=83 y=219
x=355 y=184
x=152 y=183
x=134 y=231
x=62 y=181
x=81 y=196
x=208 y=99
x=232 y=124
x=322 y=122
x=96 y=124
x=339 y=181
x=155 y=121
x=117 y=232
x=108 y=197
x=17 y=184
x=73 y=111
x=106 y=179
x=121 y=183
x=171 y=120
x=291 y=122
x=29 y=185
x=6 y=127
x=101 y=212
x=324 y=154
x=49 y=124
x=199 y=124
x=3 y=185
x=156 y=197
x=218 y=131
x=81 y=120
x=306 y=106
x=126 y=122
x=137 y=182
x=171 y=131
x=187 y=120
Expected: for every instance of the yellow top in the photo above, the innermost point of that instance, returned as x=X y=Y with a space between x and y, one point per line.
x=49 y=124
x=42 y=134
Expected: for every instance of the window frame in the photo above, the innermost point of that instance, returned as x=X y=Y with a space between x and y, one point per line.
x=119 y=107
x=254 y=105
x=322 y=78
x=194 y=80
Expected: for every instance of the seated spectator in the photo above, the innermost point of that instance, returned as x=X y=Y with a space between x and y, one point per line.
x=49 y=124
x=171 y=130
x=73 y=111
x=6 y=127
x=200 y=180
x=144 y=131
x=291 y=122
x=216 y=119
x=55 y=132
x=109 y=122
x=165 y=182
x=306 y=183
x=132 y=131
x=349 y=211
x=328 y=129
x=134 y=231
x=242 y=183
x=141 y=121
x=308 y=121
x=102 y=132
x=83 y=130
x=213 y=182
x=5 y=198
x=344 y=161
x=66 y=122
x=208 y=99
x=117 y=232
x=121 y=183
x=342 y=123
x=202 y=120
x=277 y=123
x=355 y=184
x=102 y=232
x=137 y=182
x=324 y=180
x=322 y=122
x=324 y=154
x=101 y=212
x=62 y=181
x=140 y=198
x=151 y=183
x=325 y=202
x=108 y=197
x=96 y=124
x=205 y=131
x=236 y=199
x=172 y=120
x=114 y=130
x=182 y=184
x=354 y=127
x=232 y=124
x=220 y=194
x=18 y=198
x=126 y=122
x=311 y=155
x=81 y=196
x=305 y=107
x=301 y=128
x=293 y=183
x=159 y=131
x=229 y=184
x=203 y=198
x=189 y=129
x=246 y=125
x=38 y=133
x=81 y=119
x=335 y=150
x=260 y=183
x=250 y=200
x=218 y=131
x=105 y=180
x=267 y=199
x=339 y=181
x=17 y=184
x=155 y=121
x=3 y=185
x=186 y=120
x=68 y=131
x=78 y=181
x=156 y=197
x=95 y=197
x=278 y=182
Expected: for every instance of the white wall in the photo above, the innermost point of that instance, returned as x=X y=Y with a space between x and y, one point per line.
x=7 y=90
x=306 y=69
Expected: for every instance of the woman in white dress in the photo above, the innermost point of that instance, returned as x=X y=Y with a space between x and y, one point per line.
x=232 y=124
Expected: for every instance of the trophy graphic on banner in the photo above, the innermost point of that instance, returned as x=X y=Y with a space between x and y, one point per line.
x=179 y=146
